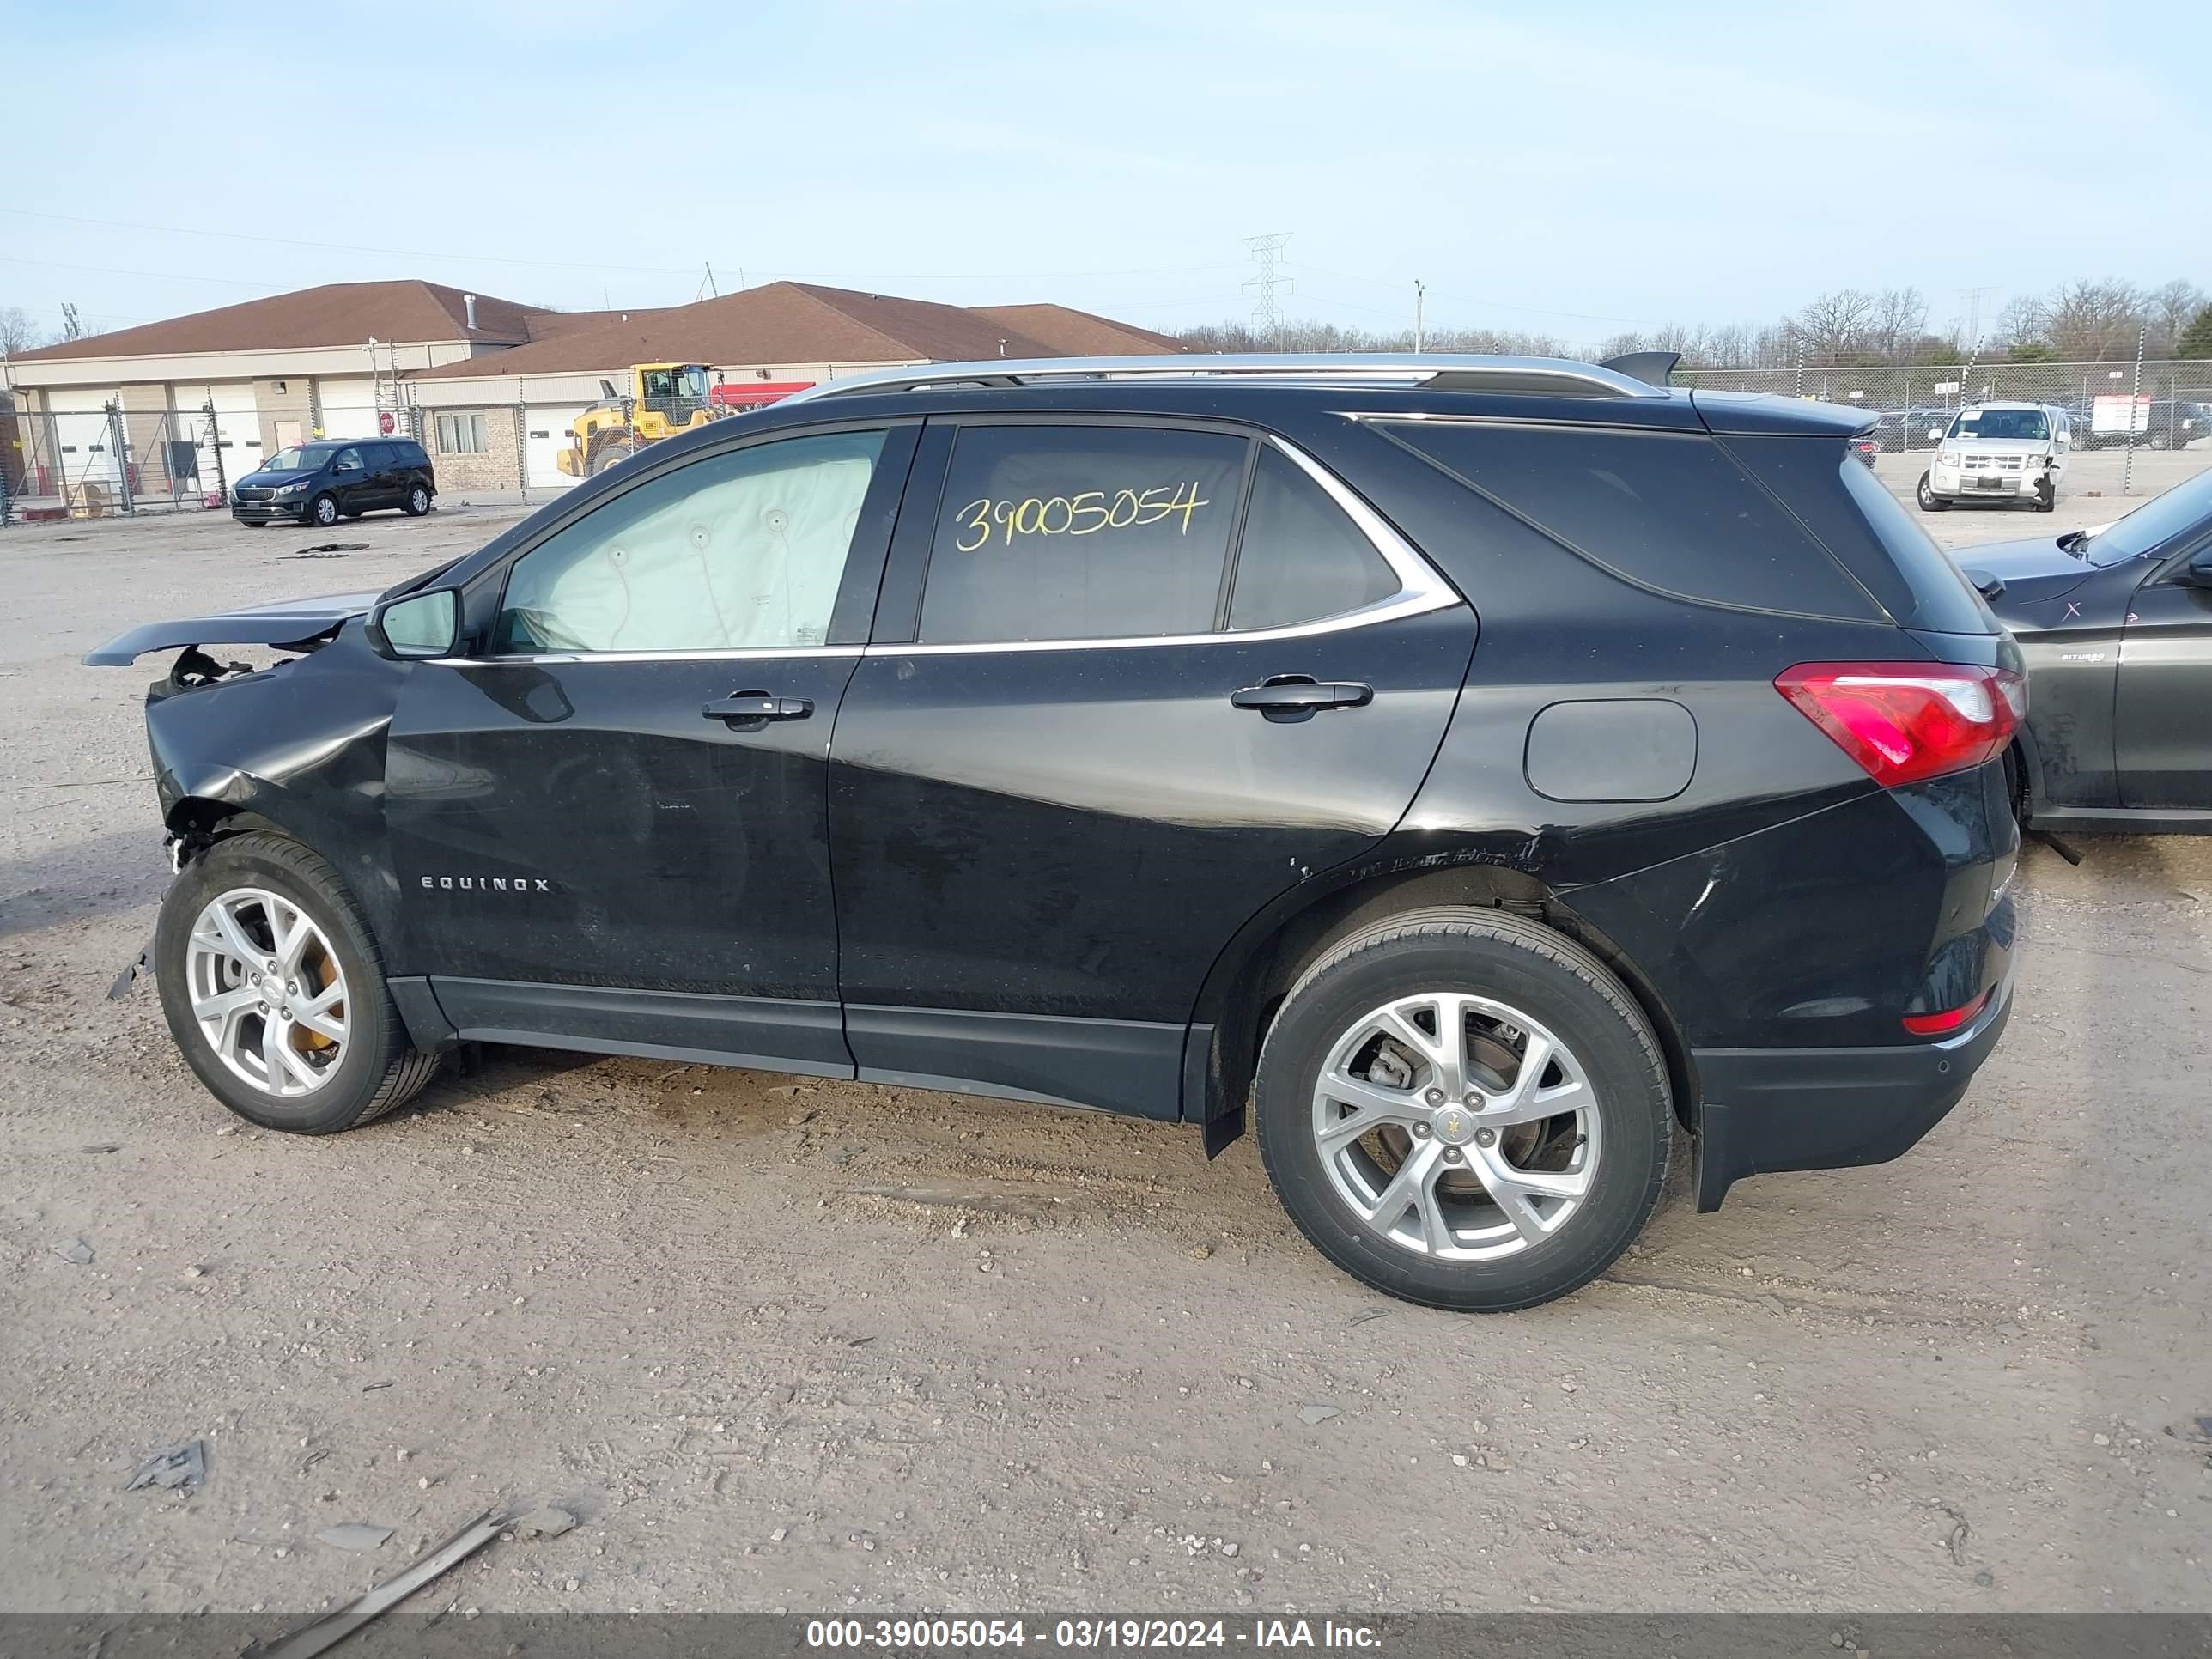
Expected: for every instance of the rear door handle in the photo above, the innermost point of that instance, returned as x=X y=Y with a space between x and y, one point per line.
x=748 y=707
x=1294 y=697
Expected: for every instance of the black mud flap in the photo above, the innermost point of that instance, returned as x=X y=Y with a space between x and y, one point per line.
x=1223 y=1130
x=140 y=963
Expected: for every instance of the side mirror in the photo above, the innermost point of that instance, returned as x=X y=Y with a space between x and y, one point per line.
x=1989 y=586
x=416 y=625
x=2197 y=573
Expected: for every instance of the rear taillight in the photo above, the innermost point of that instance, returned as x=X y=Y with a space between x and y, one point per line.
x=1903 y=721
x=1944 y=1024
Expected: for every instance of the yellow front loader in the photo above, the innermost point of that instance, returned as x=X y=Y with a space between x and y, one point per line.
x=661 y=398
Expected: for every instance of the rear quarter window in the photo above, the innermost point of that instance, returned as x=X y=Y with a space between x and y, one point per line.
x=1869 y=529
x=1673 y=512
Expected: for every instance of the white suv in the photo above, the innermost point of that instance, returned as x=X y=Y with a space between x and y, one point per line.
x=1998 y=452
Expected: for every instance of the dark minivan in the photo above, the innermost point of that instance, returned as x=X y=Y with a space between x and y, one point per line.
x=1484 y=773
x=332 y=479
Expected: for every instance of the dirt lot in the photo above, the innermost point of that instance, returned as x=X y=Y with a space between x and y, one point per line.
x=793 y=1345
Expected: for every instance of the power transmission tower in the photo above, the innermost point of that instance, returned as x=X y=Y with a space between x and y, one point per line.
x=1973 y=297
x=1266 y=315
x=71 y=329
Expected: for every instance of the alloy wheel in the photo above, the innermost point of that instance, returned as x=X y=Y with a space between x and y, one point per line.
x=1456 y=1126
x=267 y=992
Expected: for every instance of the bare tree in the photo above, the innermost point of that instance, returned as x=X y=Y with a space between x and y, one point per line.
x=2022 y=322
x=2088 y=321
x=18 y=333
x=1833 y=328
x=2170 y=306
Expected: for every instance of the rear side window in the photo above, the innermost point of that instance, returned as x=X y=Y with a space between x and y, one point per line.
x=1301 y=559
x=1081 y=532
x=1667 y=511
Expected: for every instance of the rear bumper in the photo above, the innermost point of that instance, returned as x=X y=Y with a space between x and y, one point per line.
x=1766 y=1110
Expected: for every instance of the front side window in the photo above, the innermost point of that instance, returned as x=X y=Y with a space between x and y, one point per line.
x=1081 y=532
x=743 y=550
x=1301 y=559
x=348 y=460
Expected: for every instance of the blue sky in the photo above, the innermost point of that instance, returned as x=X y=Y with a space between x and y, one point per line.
x=1576 y=169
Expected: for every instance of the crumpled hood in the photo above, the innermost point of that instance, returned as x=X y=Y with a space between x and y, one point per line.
x=287 y=621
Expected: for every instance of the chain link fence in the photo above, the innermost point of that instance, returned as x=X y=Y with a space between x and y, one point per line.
x=111 y=460
x=2160 y=405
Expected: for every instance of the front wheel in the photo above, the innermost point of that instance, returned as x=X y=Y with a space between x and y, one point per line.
x=1929 y=501
x=273 y=987
x=610 y=454
x=2046 y=496
x=1464 y=1109
x=418 y=502
x=324 y=510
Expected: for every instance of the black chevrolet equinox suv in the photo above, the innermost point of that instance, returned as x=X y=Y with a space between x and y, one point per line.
x=1485 y=773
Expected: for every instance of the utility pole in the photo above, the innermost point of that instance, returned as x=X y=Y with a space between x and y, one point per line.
x=713 y=291
x=1268 y=250
x=1419 y=293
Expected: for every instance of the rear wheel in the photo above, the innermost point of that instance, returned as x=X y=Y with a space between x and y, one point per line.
x=1464 y=1109
x=418 y=502
x=1929 y=501
x=273 y=987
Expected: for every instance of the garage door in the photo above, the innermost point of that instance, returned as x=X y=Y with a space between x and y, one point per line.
x=83 y=452
x=349 y=407
x=546 y=433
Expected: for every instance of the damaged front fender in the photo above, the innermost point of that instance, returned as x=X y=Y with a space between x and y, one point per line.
x=300 y=746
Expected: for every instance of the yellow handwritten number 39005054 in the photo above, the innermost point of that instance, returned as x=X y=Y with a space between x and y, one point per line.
x=1086 y=515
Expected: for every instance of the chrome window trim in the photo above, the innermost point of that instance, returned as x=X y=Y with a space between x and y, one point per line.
x=733 y=654
x=1420 y=590
x=1406 y=604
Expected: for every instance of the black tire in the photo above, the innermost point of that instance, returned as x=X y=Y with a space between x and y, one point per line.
x=2158 y=440
x=608 y=454
x=323 y=510
x=379 y=1069
x=1530 y=967
x=255 y=524
x=417 y=503
x=2046 y=496
x=1928 y=500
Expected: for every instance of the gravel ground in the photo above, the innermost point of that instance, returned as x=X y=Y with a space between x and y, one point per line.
x=788 y=1344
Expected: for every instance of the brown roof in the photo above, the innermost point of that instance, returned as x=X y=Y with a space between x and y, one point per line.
x=336 y=314
x=777 y=322
x=1079 y=333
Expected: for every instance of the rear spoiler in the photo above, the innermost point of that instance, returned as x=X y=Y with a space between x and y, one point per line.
x=1652 y=367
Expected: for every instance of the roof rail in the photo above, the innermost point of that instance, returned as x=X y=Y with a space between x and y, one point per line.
x=1556 y=377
